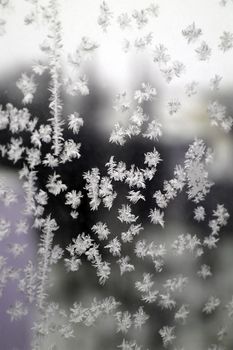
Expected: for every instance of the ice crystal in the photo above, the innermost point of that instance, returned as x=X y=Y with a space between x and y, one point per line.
x=217 y=114
x=167 y=334
x=197 y=176
x=191 y=33
x=203 y=51
x=226 y=41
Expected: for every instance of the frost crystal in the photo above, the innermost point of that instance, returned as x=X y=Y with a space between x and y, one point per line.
x=217 y=115
x=191 y=33
x=226 y=41
x=203 y=51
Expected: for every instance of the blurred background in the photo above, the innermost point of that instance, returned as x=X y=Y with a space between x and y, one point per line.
x=110 y=71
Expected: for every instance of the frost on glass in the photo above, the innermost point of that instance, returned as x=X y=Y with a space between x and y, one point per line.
x=117 y=239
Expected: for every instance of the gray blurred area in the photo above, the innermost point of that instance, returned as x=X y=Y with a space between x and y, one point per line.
x=200 y=330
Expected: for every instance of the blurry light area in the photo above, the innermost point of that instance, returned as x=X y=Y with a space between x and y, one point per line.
x=80 y=19
x=116 y=71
